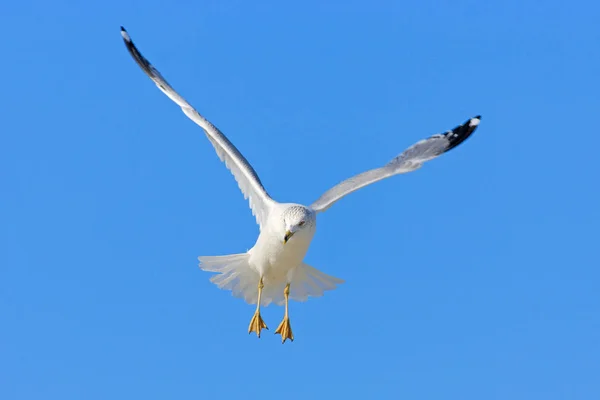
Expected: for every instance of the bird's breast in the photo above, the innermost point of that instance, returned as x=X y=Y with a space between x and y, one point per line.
x=270 y=252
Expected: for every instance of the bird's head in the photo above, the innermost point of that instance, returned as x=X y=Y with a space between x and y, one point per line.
x=298 y=220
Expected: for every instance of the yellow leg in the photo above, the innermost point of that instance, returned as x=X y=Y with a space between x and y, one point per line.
x=257 y=323
x=284 y=328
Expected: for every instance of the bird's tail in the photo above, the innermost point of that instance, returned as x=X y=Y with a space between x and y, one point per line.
x=308 y=282
x=236 y=274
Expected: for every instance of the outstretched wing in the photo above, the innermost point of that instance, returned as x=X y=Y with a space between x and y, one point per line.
x=246 y=177
x=410 y=160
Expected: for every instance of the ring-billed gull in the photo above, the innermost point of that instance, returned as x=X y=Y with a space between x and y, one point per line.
x=273 y=270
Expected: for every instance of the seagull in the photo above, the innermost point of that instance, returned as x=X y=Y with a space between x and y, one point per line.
x=273 y=270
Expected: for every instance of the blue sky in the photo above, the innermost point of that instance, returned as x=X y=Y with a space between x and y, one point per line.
x=475 y=277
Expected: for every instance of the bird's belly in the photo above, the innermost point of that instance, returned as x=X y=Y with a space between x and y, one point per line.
x=272 y=257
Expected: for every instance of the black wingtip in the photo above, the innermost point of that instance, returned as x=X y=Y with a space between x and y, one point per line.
x=459 y=134
x=125 y=35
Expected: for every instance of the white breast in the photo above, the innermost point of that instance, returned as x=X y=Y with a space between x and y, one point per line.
x=270 y=256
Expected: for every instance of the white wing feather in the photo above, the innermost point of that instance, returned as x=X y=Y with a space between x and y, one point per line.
x=410 y=160
x=247 y=179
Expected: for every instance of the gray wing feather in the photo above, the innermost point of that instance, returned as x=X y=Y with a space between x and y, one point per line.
x=409 y=160
x=247 y=179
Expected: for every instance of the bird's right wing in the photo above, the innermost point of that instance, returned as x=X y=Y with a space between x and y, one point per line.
x=246 y=177
x=410 y=160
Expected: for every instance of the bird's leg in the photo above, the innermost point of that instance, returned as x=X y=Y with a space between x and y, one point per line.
x=257 y=323
x=284 y=328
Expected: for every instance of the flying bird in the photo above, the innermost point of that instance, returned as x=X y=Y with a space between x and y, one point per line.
x=273 y=270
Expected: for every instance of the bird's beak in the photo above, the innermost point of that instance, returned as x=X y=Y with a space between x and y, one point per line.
x=288 y=235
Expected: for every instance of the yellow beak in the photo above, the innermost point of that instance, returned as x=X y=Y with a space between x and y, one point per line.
x=288 y=235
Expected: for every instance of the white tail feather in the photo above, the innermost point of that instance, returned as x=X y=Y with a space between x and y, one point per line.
x=308 y=282
x=234 y=273
x=237 y=275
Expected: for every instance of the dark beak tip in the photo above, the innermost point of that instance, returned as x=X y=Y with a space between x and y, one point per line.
x=287 y=237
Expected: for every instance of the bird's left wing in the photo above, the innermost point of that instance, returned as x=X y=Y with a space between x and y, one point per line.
x=246 y=177
x=410 y=160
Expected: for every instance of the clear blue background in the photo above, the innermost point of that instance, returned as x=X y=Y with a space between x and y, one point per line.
x=475 y=277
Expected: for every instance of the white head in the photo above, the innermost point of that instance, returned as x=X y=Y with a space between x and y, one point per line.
x=298 y=221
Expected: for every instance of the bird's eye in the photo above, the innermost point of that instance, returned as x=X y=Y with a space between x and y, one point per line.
x=301 y=223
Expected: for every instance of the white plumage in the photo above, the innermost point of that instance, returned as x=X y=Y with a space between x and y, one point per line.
x=286 y=230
